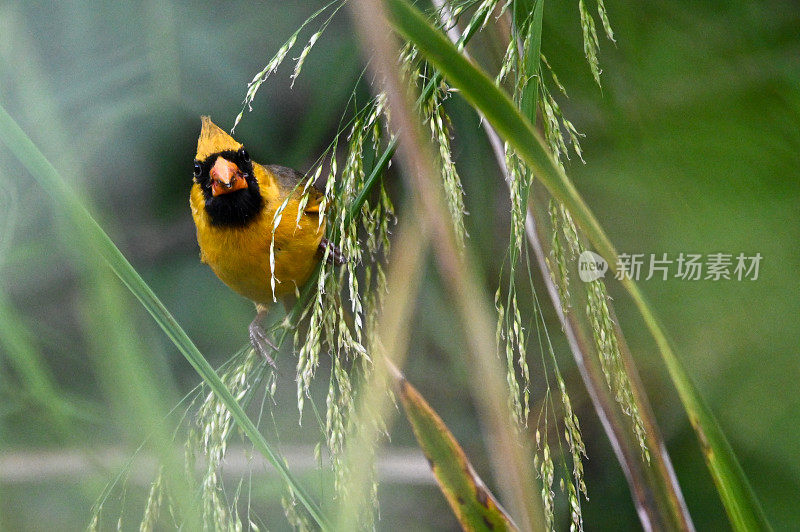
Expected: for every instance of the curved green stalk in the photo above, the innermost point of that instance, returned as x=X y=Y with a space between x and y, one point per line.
x=511 y=455
x=744 y=510
x=471 y=501
x=65 y=199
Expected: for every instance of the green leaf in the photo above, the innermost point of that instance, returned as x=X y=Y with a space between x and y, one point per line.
x=475 y=507
x=67 y=201
x=528 y=20
x=744 y=510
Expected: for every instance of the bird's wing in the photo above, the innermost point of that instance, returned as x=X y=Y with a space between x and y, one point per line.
x=289 y=180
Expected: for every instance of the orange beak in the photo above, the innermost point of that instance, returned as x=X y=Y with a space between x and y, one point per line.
x=226 y=177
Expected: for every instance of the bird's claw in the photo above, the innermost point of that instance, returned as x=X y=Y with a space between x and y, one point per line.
x=261 y=343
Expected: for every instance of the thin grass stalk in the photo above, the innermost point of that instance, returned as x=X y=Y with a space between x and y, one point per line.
x=68 y=202
x=123 y=371
x=626 y=450
x=353 y=209
x=388 y=349
x=112 y=344
x=658 y=505
x=33 y=82
x=655 y=489
x=664 y=471
x=511 y=455
x=128 y=381
x=744 y=510
x=643 y=489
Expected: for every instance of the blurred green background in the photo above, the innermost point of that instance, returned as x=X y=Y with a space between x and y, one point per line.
x=692 y=146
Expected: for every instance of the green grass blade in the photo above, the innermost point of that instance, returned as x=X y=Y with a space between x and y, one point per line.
x=377 y=173
x=352 y=211
x=472 y=503
x=498 y=108
x=65 y=199
x=744 y=510
x=528 y=16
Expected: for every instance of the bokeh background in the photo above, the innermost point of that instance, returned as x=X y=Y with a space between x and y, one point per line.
x=692 y=145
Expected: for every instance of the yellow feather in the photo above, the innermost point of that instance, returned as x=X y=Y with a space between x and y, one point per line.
x=212 y=139
x=240 y=256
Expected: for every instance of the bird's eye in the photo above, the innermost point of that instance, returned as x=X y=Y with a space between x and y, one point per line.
x=198 y=169
x=244 y=155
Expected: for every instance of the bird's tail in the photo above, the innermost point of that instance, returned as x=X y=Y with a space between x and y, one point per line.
x=335 y=255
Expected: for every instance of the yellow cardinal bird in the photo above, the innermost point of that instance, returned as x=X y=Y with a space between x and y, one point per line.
x=234 y=201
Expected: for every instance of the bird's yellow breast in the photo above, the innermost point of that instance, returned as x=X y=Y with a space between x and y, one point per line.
x=240 y=256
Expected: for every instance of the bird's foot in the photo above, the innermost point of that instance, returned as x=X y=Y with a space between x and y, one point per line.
x=261 y=342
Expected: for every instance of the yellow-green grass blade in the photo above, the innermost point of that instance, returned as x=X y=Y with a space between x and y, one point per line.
x=65 y=200
x=744 y=510
x=473 y=504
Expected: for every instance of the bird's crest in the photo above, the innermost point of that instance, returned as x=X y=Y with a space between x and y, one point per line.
x=213 y=140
